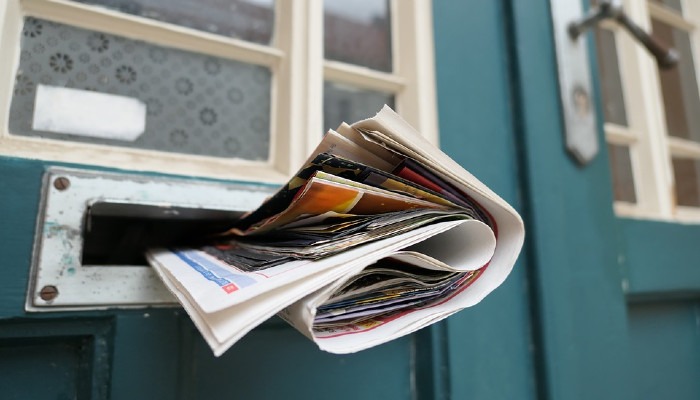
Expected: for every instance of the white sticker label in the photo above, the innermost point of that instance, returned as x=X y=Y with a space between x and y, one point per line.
x=87 y=113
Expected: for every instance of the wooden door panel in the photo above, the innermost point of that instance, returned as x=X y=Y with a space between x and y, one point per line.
x=55 y=362
x=665 y=348
x=276 y=361
x=147 y=349
x=659 y=259
x=487 y=347
x=57 y=358
x=485 y=351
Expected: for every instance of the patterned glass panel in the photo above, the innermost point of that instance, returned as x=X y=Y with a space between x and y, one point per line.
x=679 y=85
x=610 y=80
x=195 y=104
x=358 y=32
x=622 y=178
x=686 y=172
x=342 y=103
x=251 y=20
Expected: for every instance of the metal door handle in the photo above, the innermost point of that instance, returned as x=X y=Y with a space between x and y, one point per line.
x=666 y=57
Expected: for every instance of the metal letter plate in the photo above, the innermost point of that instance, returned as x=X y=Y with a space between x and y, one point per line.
x=574 y=82
x=58 y=281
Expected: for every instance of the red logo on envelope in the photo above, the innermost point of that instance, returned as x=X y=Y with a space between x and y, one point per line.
x=230 y=288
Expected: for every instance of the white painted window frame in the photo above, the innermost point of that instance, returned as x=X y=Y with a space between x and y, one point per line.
x=295 y=58
x=645 y=135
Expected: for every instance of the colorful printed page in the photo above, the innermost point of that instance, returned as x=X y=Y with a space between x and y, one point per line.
x=335 y=218
x=325 y=193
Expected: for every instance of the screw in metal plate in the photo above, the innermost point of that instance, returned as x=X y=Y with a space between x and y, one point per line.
x=582 y=103
x=61 y=183
x=48 y=292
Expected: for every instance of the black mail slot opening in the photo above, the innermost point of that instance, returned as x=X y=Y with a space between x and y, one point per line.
x=120 y=233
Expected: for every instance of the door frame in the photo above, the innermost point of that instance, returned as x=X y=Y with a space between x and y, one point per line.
x=579 y=311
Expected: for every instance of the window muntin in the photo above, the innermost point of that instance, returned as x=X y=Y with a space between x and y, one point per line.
x=616 y=116
x=687 y=176
x=679 y=88
x=357 y=44
x=674 y=5
x=358 y=33
x=251 y=20
x=610 y=80
x=298 y=74
x=196 y=104
x=654 y=149
x=343 y=103
x=621 y=167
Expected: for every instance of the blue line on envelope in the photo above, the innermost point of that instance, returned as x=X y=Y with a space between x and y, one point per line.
x=212 y=271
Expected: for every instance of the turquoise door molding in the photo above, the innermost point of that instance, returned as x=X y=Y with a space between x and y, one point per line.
x=579 y=313
x=487 y=348
x=616 y=299
x=157 y=352
x=483 y=352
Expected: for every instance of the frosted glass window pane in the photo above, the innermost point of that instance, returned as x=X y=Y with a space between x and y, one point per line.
x=610 y=80
x=342 y=103
x=251 y=20
x=195 y=104
x=358 y=32
x=622 y=177
x=679 y=85
x=687 y=175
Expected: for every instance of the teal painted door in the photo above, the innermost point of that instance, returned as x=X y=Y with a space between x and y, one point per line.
x=560 y=327
x=156 y=353
x=616 y=299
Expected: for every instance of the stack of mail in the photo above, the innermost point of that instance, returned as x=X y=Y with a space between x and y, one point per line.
x=377 y=235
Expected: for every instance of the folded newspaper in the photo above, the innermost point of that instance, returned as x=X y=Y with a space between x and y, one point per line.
x=378 y=235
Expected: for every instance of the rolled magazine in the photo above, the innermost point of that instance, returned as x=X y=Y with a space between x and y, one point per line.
x=377 y=235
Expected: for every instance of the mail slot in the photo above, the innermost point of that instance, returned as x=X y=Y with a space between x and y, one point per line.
x=119 y=233
x=93 y=228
